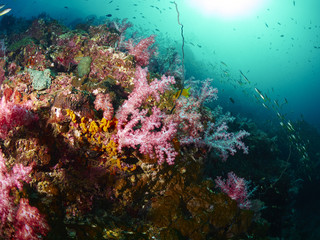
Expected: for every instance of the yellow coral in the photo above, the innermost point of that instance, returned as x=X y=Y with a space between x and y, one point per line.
x=111 y=148
x=105 y=124
x=93 y=129
x=83 y=125
x=72 y=115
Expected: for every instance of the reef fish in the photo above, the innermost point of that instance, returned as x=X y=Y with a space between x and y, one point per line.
x=244 y=76
x=5 y=11
x=260 y=94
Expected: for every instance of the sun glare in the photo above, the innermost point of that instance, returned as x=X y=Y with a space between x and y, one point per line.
x=226 y=8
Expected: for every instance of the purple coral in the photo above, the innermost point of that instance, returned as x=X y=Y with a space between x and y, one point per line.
x=218 y=138
x=215 y=135
x=188 y=116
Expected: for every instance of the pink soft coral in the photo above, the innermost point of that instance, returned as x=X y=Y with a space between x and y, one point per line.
x=103 y=102
x=27 y=221
x=13 y=115
x=142 y=51
x=153 y=137
x=9 y=180
x=142 y=90
x=151 y=133
x=236 y=188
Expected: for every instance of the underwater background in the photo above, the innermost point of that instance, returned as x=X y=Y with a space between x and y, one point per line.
x=263 y=56
x=275 y=44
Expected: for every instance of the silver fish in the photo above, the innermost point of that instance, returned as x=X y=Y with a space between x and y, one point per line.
x=5 y=11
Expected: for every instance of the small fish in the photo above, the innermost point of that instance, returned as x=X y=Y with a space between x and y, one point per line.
x=255 y=96
x=231 y=99
x=2 y=6
x=109 y=15
x=260 y=94
x=265 y=106
x=280 y=116
x=244 y=76
x=5 y=11
x=267 y=97
x=185 y=92
x=157 y=30
x=117 y=9
x=282 y=35
x=294 y=3
x=199 y=46
x=223 y=63
x=66 y=7
x=266 y=25
x=290 y=127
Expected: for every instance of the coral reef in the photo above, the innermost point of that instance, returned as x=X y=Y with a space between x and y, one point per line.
x=116 y=151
